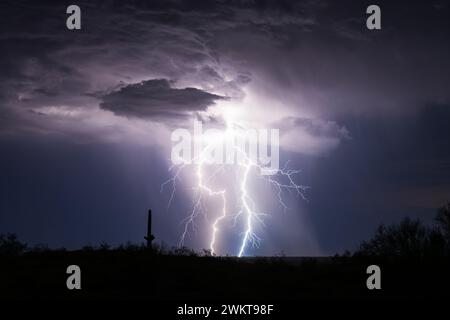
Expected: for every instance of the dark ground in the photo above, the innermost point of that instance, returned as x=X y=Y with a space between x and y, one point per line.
x=142 y=274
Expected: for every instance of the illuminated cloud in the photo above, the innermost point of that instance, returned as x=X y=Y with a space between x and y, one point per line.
x=311 y=136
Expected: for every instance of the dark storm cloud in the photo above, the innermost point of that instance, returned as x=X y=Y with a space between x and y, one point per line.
x=315 y=55
x=336 y=66
x=157 y=99
x=45 y=65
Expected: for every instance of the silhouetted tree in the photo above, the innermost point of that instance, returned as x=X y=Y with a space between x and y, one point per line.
x=409 y=238
x=443 y=223
x=436 y=244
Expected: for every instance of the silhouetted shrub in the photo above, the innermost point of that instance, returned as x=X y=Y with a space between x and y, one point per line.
x=39 y=248
x=10 y=245
x=88 y=248
x=129 y=246
x=183 y=251
x=104 y=246
x=208 y=253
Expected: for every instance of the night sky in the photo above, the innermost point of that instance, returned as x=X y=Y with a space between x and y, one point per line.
x=86 y=115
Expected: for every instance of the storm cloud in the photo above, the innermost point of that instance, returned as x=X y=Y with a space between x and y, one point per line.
x=311 y=136
x=158 y=100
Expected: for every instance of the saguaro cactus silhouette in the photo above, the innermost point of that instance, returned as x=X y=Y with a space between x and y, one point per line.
x=149 y=236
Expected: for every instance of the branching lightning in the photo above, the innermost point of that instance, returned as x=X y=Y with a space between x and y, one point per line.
x=247 y=210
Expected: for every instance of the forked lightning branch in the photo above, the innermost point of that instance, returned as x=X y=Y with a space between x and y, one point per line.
x=250 y=153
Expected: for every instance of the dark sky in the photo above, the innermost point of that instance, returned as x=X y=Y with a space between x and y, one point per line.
x=86 y=115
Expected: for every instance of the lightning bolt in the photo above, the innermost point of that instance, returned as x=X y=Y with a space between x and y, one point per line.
x=247 y=207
